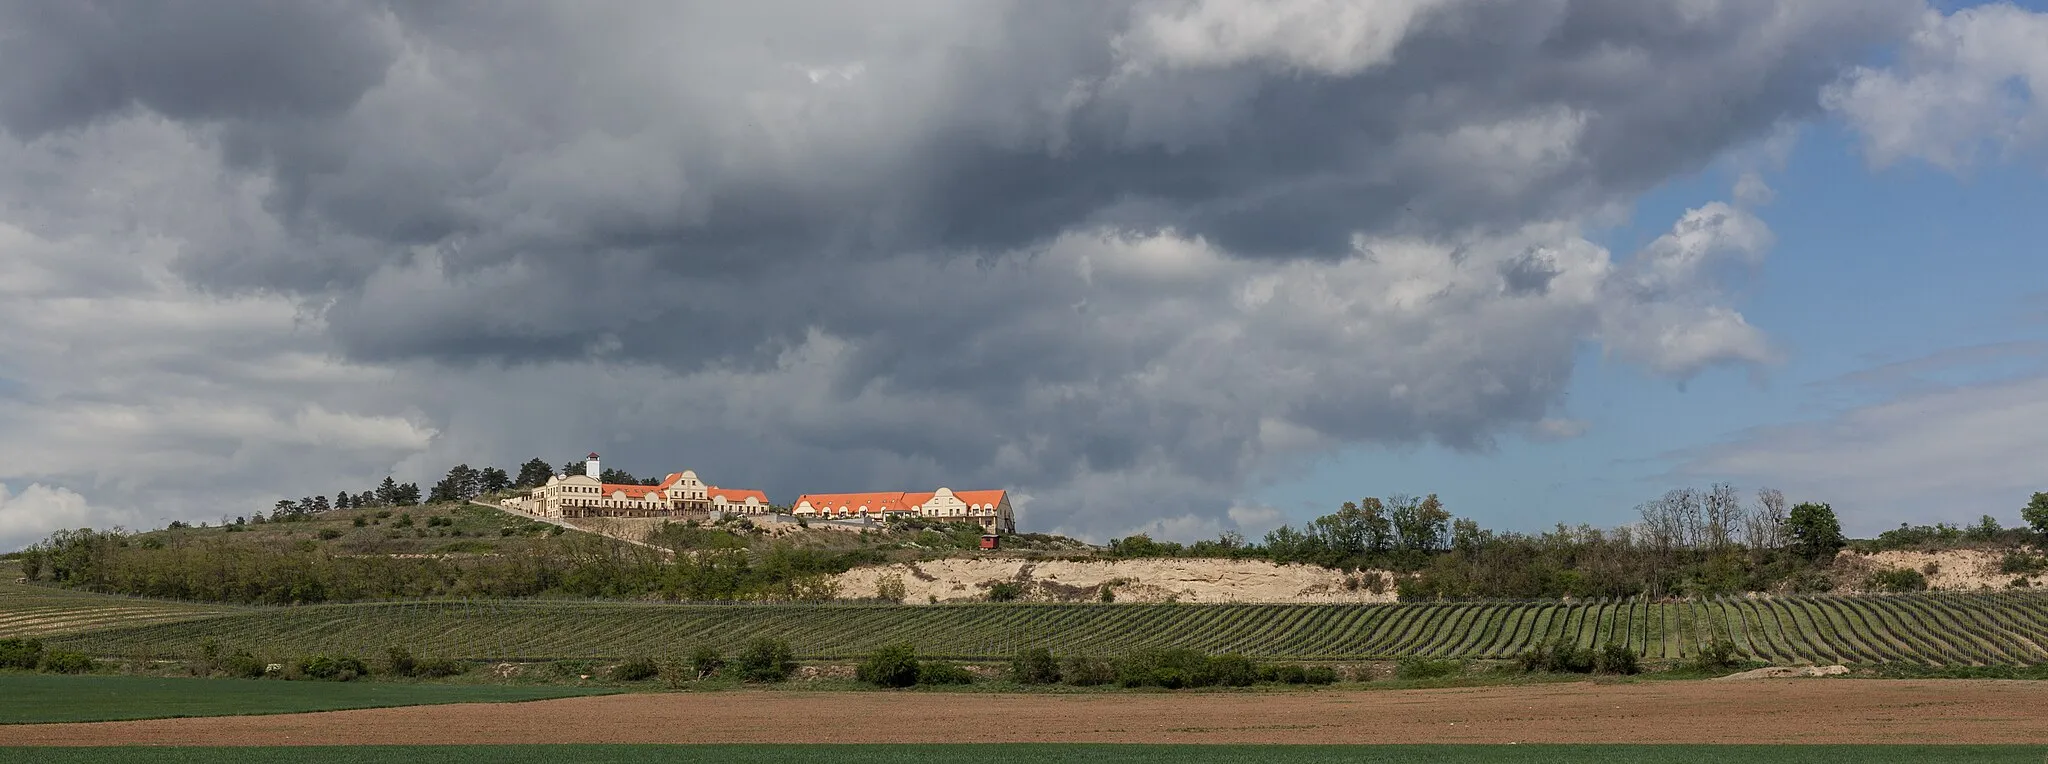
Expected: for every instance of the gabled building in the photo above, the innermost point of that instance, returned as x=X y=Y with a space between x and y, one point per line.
x=988 y=509
x=679 y=494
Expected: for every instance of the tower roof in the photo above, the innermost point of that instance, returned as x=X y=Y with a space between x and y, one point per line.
x=593 y=455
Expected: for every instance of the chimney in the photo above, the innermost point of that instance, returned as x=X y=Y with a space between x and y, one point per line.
x=590 y=467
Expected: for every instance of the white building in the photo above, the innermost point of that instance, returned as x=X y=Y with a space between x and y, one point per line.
x=679 y=494
x=988 y=509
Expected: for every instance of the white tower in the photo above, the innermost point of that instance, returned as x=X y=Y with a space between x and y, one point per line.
x=590 y=467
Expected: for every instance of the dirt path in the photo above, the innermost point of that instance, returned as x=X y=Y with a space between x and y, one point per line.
x=1766 y=711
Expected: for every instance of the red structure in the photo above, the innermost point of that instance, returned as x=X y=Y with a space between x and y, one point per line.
x=991 y=541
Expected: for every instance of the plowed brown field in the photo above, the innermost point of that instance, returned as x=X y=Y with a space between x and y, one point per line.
x=1768 y=711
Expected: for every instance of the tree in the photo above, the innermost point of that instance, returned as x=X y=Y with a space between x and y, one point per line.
x=2036 y=513
x=571 y=468
x=1816 y=532
x=459 y=485
x=1986 y=529
x=319 y=504
x=407 y=495
x=493 y=480
x=1766 y=525
x=282 y=508
x=533 y=474
x=387 y=492
x=615 y=476
x=344 y=501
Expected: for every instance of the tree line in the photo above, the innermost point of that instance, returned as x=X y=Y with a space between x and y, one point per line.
x=1688 y=542
x=461 y=483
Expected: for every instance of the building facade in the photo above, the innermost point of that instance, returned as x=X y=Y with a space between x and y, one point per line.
x=988 y=509
x=679 y=494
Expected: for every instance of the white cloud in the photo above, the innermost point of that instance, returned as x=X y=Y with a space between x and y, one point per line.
x=1969 y=82
x=38 y=510
x=1942 y=455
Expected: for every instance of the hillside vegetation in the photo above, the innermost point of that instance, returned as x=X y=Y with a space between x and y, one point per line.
x=35 y=611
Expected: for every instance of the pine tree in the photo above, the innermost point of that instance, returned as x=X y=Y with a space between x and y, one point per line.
x=533 y=474
x=343 y=501
x=387 y=492
x=493 y=480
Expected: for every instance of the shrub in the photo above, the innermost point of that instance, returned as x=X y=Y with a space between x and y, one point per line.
x=891 y=666
x=1283 y=673
x=1005 y=591
x=890 y=588
x=636 y=670
x=329 y=534
x=1035 y=666
x=399 y=661
x=342 y=669
x=1319 y=675
x=404 y=521
x=1615 y=659
x=21 y=653
x=1719 y=655
x=1560 y=658
x=940 y=672
x=1083 y=671
x=572 y=669
x=2019 y=561
x=1230 y=670
x=67 y=662
x=359 y=522
x=767 y=660
x=1423 y=668
x=1170 y=668
x=435 y=668
x=706 y=661
x=1898 y=580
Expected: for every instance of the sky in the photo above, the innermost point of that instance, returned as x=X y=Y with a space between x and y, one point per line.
x=1168 y=266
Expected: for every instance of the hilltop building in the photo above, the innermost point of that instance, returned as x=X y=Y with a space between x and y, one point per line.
x=680 y=494
x=988 y=509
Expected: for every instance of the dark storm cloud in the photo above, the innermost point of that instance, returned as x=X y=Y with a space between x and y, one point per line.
x=1099 y=252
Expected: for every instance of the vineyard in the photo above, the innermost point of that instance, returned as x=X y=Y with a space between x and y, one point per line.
x=1931 y=629
x=35 y=611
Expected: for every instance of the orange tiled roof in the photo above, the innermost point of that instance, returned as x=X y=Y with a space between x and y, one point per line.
x=892 y=501
x=736 y=495
x=637 y=491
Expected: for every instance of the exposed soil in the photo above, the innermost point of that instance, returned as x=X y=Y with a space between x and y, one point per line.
x=1160 y=580
x=1765 y=711
x=1954 y=569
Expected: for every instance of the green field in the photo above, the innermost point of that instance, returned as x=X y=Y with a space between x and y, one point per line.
x=1927 y=629
x=1011 y=753
x=36 y=698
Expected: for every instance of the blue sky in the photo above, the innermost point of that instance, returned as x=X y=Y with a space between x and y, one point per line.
x=1871 y=267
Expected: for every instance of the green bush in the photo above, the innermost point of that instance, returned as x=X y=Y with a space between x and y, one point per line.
x=359 y=522
x=1898 y=580
x=1035 y=666
x=1005 y=591
x=1424 y=668
x=341 y=669
x=1719 y=655
x=399 y=661
x=1320 y=675
x=2019 y=561
x=1231 y=670
x=1615 y=659
x=66 y=662
x=1084 y=671
x=435 y=668
x=706 y=661
x=244 y=665
x=329 y=534
x=1560 y=657
x=1168 y=668
x=891 y=666
x=1283 y=673
x=940 y=672
x=767 y=660
x=21 y=653
x=636 y=670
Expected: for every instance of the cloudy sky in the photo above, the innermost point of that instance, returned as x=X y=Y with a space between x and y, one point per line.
x=1180 y=266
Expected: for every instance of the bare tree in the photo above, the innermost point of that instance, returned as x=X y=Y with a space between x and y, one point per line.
x=1723 y=511
x=1766 y=526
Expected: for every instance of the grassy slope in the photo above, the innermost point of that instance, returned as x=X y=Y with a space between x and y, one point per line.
x=34 y=698
x=1915 y=631
x=1010 y=753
